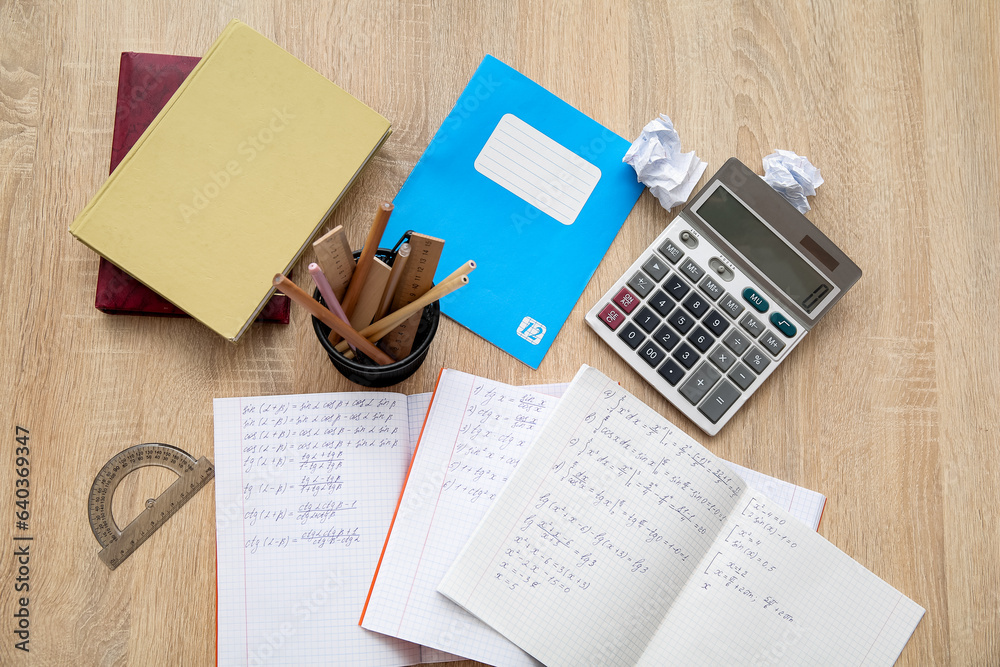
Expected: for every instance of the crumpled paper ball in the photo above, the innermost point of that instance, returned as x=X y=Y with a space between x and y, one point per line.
x=793 y=177
x=660 y=165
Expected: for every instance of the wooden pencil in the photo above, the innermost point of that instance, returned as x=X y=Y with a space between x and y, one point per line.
x=463 y=270
x=398 y=264
x=298 y=295
x=378 y=329
x=365 y=259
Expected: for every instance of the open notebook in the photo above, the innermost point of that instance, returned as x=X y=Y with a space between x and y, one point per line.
x=621 y=541
x=306 y=489
x=474 y=437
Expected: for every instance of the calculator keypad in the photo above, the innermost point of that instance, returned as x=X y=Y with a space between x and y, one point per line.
x=698 y=339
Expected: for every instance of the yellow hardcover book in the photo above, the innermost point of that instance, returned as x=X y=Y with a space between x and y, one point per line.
x=231 y=180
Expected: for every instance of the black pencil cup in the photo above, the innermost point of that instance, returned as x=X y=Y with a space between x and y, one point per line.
x=365 y=372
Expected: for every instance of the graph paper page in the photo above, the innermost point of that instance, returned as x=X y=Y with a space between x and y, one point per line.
x=305 y=489
x=784 y=596
x=607 y=505
x=613 y=515
x=475 y=434
x=804 y=504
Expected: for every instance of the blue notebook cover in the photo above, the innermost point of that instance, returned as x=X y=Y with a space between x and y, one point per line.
x=531 y=189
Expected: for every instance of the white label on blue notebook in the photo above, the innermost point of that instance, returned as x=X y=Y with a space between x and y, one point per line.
x=545 y=174
x=531 y=330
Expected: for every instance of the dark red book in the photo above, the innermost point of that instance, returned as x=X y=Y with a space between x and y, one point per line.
x=145 y=83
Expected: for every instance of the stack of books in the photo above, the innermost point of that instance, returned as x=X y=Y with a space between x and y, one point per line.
x=229 y=181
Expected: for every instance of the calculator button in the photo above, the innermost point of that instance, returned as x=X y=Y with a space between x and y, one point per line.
x=671 y=372
x=686 y=355
x=720 y=400
x=716 y=323
x=667 y=337
x=773 y=344
x=696 y=304
x=655 y=267
x=742 y=376
x=632 y=335
x=647 y=319
x=676 y=287
x=711 y=288
x=698 y=384
x=670 y=251
x=626 y=300
x=753 y=297
x=722 y=357
x=681 y=321
x=736 y=341
x=731 y=306
x=693 y=271
x=756 y=360
x=651 y=354
x=701 y=339
x=782 y=324
x=641 y=283
x=661 y=303
x=752 y=325
x=612 y=317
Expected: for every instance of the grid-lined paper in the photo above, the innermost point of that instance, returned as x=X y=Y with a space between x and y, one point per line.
x=804 y=504
x=305 y=489
x=474 y=436
x=621 y=541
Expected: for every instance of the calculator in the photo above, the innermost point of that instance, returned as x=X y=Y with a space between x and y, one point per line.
x=722 y=296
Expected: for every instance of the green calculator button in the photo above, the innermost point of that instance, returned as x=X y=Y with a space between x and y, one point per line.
x=753 y=297
x=783 y=325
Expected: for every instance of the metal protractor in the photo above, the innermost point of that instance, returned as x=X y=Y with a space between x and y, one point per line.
x=120 y=543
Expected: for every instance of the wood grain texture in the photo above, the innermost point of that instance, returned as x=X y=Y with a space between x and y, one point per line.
x=889 y=407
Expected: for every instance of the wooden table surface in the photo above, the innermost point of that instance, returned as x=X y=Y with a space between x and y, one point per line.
x=889 y=407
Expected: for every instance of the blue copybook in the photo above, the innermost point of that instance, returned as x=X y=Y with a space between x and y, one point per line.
x=531 y=189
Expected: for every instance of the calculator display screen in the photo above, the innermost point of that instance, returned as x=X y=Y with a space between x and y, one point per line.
x=771 y=255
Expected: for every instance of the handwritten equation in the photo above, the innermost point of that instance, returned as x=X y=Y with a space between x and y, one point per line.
x=626 y=491
x=304 y=462
x=497 y=425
